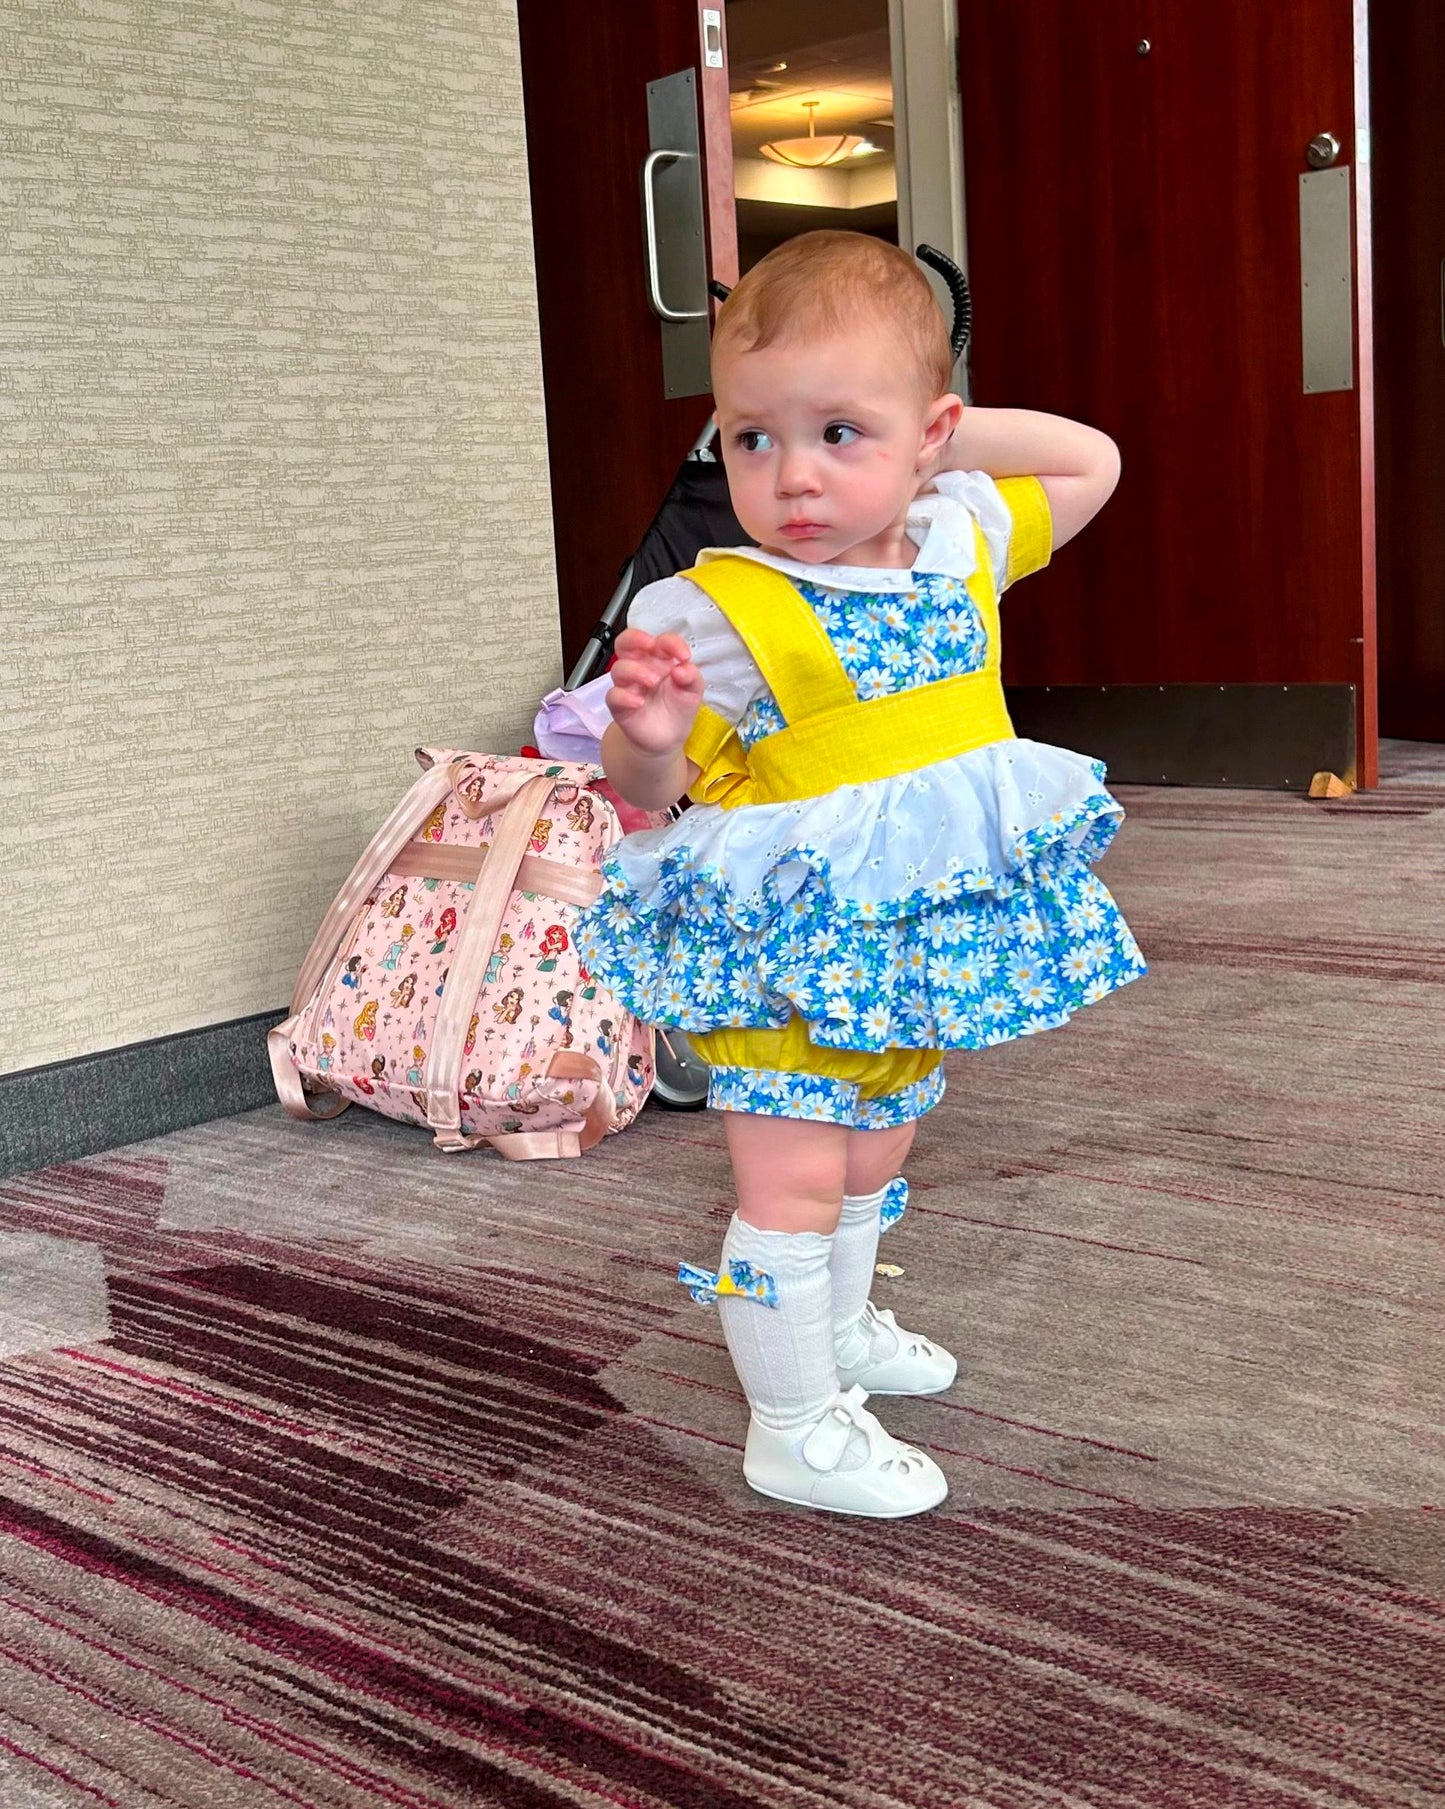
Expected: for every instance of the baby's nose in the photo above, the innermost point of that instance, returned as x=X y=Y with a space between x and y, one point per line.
x=797 y=476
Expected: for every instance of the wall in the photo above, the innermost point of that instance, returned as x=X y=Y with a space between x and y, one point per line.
x=273 y=491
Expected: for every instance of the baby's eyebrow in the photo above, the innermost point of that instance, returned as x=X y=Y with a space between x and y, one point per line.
x=736 y=419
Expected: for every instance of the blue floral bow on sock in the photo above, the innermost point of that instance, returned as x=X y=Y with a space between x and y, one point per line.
x=740 y=1278
x=895 y=1203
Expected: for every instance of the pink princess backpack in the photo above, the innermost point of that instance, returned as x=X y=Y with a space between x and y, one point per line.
x=443 y=987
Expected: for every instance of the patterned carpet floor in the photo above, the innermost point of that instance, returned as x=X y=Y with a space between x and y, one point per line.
x=334 y=1471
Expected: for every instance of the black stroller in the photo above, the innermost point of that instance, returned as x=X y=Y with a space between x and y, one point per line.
x=697 y=512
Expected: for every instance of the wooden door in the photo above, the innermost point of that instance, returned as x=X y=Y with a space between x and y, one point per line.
x=614 y=441
x=1407 y=78
x=1134 y=246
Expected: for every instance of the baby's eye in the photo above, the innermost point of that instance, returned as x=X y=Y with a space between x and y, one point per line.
x=839 y=433
x=753 y=439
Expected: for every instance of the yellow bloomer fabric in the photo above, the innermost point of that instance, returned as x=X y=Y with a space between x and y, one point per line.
x=788 y=1051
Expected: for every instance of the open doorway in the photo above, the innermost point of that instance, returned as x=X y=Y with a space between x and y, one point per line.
x=812 y=121
x=1407 y=68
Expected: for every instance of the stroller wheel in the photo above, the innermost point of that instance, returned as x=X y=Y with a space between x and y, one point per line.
x=681 y=1083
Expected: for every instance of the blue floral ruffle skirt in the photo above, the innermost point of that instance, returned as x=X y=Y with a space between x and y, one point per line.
x=971 y=959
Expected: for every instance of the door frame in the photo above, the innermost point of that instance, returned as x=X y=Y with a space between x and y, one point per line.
x=928 y=138
x=1367 y=704
x=715 y=127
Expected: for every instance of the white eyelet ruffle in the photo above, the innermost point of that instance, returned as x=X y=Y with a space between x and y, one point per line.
x=959 y=826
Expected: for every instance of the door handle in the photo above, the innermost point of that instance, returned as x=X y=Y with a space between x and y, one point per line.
x=649 y=211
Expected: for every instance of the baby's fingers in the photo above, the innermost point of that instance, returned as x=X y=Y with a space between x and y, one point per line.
x=673 y=647
x=638 y=675
x=623 y=703
x=634 y=643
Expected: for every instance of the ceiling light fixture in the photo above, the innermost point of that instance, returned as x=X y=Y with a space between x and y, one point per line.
x=812 y=152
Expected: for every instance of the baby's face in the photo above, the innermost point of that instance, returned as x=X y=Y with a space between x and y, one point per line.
x=823 y=440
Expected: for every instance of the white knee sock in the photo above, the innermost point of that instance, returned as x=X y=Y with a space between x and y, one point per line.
x=784 y=1354
x=855 y=1250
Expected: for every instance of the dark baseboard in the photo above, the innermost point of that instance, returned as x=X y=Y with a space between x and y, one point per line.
x=77 y=1108
x=1272 y=737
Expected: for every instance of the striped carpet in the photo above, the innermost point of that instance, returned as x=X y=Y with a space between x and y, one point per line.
x=337 y=1472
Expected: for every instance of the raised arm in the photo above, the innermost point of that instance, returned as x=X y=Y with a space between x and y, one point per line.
x=1078 y=466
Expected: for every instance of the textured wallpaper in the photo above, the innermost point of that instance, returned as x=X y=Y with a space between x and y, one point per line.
x=273 y=487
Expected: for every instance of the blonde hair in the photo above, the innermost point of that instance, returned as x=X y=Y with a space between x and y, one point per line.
x=824 y=281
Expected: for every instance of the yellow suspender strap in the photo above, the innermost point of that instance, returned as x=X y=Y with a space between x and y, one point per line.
x=983 y=589
x=788 y=642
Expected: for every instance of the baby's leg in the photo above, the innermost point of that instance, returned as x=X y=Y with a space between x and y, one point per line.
x=790 y=1174
x=808 y=1441
x=873 y=1351
x=875 y=1157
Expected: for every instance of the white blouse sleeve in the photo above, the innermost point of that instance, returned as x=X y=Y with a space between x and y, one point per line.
x=676 y=606
x=979 y=494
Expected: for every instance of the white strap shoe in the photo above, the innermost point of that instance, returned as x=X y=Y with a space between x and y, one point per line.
x=893 y=1361
x=844 y=1463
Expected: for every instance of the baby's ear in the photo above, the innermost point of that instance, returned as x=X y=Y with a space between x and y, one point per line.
x=940 y=423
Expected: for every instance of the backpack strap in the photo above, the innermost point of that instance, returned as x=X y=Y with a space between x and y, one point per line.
x=506 y=865
x=481 y=926
x=529 y=1146
x=331 y=939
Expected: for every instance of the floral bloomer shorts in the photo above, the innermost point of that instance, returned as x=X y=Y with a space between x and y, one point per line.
x=781 y=1074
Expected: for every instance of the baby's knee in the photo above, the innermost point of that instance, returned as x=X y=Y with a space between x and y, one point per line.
x=874 y=1158
x=789 y=1173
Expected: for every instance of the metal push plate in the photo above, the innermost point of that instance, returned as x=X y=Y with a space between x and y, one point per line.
x=680 y=244
x=1327 y=303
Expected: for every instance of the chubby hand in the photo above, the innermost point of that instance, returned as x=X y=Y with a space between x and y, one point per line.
x=656 y=690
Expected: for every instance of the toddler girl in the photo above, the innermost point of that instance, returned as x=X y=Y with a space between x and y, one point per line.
x=875 y=870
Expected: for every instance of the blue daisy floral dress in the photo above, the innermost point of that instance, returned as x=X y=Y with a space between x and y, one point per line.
x=949 y=907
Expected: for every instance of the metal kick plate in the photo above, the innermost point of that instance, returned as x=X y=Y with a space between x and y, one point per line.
x=681 y=243
x=1275 y=737
x=1327 y=303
